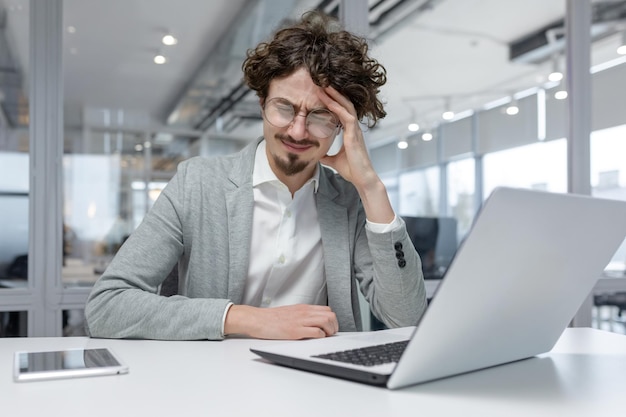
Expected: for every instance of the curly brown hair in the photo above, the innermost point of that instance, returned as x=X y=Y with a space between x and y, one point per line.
x=332 y=56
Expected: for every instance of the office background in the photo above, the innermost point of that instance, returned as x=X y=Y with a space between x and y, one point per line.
x=97 y=111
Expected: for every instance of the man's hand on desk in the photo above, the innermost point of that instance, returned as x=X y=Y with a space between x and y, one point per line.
x=299 y=321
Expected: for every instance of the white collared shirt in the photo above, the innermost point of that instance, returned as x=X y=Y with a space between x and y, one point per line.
x=286 y=259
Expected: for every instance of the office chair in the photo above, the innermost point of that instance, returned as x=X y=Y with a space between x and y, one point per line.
x=616 y=299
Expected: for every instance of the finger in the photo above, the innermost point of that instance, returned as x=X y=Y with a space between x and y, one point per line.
x=312 y=333
x=338 y=104
x=327 y=322
x=339 y=98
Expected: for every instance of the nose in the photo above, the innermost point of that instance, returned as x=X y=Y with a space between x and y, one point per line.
x=297 y=129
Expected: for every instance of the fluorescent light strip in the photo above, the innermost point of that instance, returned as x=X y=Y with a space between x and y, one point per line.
x=609 y=64
x=541 y=114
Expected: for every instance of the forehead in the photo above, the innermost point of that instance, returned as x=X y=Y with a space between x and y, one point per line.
x=298 y=88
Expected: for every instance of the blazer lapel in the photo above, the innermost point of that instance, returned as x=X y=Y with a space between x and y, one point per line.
x=239 y=206
x=333 y=219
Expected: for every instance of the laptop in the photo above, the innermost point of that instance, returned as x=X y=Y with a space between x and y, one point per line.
x=515 y=283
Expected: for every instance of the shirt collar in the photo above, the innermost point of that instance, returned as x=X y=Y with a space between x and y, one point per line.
x=263 y=173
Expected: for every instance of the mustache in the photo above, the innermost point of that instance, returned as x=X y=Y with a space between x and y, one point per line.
x=305 y=142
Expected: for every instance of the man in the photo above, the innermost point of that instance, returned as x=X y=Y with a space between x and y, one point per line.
x=269 y=243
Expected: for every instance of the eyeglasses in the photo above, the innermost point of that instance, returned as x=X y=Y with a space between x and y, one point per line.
x=321 y=123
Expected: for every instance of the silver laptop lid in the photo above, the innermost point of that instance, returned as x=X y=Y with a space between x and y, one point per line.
x=527 y=265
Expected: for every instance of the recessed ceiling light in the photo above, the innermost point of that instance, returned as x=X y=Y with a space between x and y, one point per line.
x=427 y=136
x=555 y=76
x=414 y=127
x=160 y=59
x=169 y=40
x=71 y=29
x=622 y=48
x=447 y=115
x=512 y=110
x=403 y=144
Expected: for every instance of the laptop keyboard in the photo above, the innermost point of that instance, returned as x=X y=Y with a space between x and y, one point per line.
x=370 y=355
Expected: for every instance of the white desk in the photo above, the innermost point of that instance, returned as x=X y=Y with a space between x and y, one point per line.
x=585 y=375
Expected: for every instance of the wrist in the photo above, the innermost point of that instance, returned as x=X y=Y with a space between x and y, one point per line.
x=376 y=203
x=369 y=184
x=239 y=320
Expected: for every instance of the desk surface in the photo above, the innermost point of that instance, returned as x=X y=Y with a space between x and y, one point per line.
x=584 y=375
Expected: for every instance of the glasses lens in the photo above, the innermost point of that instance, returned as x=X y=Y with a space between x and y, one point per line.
x=279 y=112
x=322 y=123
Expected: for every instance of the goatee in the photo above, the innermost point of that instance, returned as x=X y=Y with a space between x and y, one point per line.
x=292 y=165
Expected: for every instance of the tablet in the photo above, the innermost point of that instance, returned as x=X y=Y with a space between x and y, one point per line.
x=69 y=363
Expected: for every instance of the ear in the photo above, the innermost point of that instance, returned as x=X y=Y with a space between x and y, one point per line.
x=261 y=101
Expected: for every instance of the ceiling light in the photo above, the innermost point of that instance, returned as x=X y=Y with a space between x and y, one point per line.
x=560 y=95
x=139 y=147
x=622 y=48
x=403 y=144
x=159 y=59
x=427 y=136
x=169 y=40
x=512 y=109
x=447 y=114
x=556 y=74
x=414 y=127
x=71 y=29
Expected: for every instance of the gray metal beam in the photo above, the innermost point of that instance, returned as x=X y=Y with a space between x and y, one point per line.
x=578 y=38
x=354 y=15
x=46 y=162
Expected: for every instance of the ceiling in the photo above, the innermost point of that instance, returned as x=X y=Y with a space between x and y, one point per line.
x=436 y=52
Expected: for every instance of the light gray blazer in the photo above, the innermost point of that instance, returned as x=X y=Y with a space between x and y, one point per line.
x=203 y=221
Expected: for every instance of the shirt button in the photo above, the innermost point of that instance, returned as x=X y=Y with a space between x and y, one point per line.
x=288 y=213
x=281 y=259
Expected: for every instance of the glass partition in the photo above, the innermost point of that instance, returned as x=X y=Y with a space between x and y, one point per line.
x=15 y=289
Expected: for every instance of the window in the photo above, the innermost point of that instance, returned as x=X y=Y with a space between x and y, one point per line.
x=539 y=166
x=419 y=193
x=608 y=176
x=461 y=193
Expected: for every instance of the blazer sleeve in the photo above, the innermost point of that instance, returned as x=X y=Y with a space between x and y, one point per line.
x=124 y=302
x=389 y=271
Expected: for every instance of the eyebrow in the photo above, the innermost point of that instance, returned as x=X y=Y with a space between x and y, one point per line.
x=321 y=105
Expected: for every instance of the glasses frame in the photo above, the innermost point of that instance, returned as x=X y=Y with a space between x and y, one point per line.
x=296 y=113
